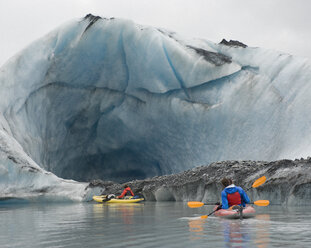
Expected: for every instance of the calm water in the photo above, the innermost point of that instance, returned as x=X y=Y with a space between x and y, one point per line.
x=150 y=224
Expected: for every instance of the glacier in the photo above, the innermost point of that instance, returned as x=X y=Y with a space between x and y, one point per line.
x=109 y=99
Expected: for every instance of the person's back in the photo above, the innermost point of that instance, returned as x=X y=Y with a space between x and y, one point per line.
x=232 y=195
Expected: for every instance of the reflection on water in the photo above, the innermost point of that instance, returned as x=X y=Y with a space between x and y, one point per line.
x=125 y=211
x=240 y=234
x=149 y=224
x=235 y=234
x=262 y=238
x=196 y=227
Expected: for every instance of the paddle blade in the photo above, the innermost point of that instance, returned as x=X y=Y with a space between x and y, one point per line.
x=195 y=204
x=259 y=182
x=262 y=203
x=204 y=217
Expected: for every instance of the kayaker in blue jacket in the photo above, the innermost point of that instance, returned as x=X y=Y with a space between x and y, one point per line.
x=232 y=195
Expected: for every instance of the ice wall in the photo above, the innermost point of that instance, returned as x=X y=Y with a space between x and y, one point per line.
x=110 y=99
x=21 y=179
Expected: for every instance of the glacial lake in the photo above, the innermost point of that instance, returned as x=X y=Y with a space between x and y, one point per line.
x=149 y=224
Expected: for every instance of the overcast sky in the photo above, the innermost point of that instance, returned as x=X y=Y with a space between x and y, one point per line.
x=283 y=25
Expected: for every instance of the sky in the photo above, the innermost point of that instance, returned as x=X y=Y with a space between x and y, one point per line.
x=282 y=25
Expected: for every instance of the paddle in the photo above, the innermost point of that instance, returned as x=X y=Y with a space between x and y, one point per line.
x=261 y=203
x=205 y=216
x=258 y=182
x=197 y=204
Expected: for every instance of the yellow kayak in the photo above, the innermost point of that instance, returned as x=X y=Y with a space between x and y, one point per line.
x=102 y=198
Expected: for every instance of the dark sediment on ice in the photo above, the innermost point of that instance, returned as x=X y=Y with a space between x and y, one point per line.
x=233 y=43
x=288 y=182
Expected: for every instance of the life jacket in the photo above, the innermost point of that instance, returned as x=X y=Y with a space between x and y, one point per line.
x=234 y=199
x=126 y=191
x=129 y=191
x=233 y=195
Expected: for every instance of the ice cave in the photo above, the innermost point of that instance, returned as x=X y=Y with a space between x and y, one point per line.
x=109 y=99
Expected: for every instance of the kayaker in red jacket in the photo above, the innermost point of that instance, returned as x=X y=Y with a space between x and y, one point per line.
x=232 y=195
x=127 y=191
